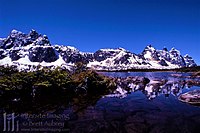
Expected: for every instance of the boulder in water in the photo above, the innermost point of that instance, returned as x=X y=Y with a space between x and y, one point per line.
x=192 y=97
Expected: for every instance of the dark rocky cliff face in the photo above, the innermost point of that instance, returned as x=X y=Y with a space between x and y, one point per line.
x=39 y=54
x=2 y=54
x=101 y=55
x=189 y=62
x=14 y=54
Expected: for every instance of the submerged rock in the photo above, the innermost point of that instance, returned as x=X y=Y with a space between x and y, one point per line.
x=192 y=97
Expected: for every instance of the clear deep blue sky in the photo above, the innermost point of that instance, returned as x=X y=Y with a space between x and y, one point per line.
x=93 y=24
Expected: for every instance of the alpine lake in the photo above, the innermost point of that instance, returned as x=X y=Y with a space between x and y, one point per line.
x=153 y=108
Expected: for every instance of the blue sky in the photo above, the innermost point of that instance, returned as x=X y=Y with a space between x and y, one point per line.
x=93 y=24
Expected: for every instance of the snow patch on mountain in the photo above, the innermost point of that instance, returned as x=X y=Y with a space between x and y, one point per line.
x=28 y=51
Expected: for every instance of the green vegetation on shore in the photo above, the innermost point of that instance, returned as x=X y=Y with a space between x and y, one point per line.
x=31 y=90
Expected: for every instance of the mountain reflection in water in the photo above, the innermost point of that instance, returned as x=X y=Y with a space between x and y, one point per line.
x=130 y=110
x=144 y=102
x=160 y=83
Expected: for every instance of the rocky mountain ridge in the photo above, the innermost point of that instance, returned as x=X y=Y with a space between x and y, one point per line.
x=28 y=51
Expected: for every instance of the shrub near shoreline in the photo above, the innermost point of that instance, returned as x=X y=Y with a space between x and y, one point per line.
x=21 y=91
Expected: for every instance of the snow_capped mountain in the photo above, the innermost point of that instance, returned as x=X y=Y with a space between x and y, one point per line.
x=28 y=51
x=172 y=58
x=189 y=62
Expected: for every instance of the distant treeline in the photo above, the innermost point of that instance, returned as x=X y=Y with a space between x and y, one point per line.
x=189 y=69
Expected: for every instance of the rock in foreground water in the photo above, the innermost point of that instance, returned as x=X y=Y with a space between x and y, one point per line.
x=192 y=97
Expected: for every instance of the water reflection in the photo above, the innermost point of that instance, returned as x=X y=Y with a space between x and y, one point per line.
x=134 y=113
x=154 y=90
x=150 y=75
x=154 y=85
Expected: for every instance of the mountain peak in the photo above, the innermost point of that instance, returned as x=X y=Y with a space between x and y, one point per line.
x=122 y=49
x=187 y=55
x=32 y=31
x=165 y=49
x=175 y=51
x=189 y=61
x=14 y=31
x=150 y=47
x=15 y=34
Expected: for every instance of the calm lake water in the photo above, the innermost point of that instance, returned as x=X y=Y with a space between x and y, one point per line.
x=140 y=111
x=150 y=75
x=136 y=113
